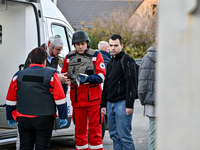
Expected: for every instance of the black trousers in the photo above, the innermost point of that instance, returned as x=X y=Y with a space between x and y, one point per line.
x=36 y=131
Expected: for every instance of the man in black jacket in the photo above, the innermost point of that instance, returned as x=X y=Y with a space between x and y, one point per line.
x=118 y=95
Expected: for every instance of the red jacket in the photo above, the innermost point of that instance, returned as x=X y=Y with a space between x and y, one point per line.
x=88 y=94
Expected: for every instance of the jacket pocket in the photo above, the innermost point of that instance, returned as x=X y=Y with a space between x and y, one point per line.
x=94 y=92
x=73 y=93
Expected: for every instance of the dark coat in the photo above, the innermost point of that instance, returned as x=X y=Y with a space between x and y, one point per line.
x=120 y=84
x=106 y=57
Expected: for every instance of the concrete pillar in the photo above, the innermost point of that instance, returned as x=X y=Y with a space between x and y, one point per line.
x=178 y=75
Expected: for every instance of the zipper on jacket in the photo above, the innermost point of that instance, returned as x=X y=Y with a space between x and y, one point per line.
x=129 y=72
x=119 y=87
x=130 y=96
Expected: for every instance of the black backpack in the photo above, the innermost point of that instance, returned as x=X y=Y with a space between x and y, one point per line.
x=137 y=71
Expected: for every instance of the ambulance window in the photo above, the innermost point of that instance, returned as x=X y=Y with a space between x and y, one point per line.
x=70 y=39
x=0 y=34
x=57 y=29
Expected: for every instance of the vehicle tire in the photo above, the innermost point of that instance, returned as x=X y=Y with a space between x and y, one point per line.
x=103 y=126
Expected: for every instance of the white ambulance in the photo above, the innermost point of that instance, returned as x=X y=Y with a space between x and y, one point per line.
x=24 y=25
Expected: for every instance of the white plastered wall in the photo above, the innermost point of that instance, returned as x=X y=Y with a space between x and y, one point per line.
x=178 y=76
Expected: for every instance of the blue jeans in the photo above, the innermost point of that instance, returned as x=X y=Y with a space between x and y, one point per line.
x=119 y=126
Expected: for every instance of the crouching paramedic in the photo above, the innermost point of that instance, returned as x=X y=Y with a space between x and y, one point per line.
x=31 y=100
x=85 y=97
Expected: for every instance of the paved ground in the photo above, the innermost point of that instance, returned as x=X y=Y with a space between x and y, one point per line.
x=140 y=129
x=139 y=132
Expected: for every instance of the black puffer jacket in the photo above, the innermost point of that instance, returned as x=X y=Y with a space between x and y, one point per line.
x=120 y=84
x=146 y=84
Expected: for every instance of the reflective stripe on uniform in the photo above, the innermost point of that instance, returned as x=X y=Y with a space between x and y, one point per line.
x=11 y=103
x=96 y=146
x=102 y=76
x=94 y=58
x=14 y=78
x=82 y=147
x=61 y=101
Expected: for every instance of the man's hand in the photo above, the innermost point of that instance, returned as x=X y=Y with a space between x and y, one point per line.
x=103 y=110
x=62 y=77
x=129 y=111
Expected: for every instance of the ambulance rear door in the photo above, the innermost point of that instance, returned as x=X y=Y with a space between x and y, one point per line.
x=56 y=26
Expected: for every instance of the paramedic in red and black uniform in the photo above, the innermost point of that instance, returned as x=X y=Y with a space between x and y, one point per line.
x=31 y=100
x=86 y=97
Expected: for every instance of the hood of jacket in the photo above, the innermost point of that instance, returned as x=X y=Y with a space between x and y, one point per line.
x=152 y=53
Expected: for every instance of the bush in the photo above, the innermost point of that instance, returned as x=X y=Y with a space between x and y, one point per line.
x=93 y=42
x=138 y=31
